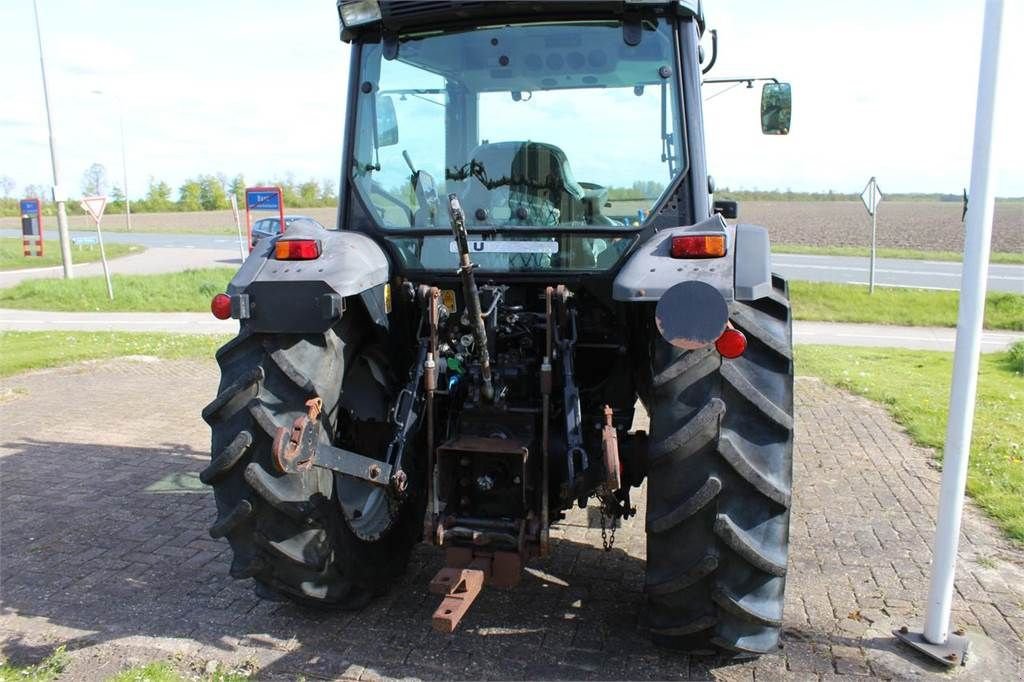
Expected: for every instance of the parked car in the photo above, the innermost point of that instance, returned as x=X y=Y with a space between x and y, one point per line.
x=271 y=227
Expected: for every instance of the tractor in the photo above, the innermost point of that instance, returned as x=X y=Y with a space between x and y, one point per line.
x=528 y=256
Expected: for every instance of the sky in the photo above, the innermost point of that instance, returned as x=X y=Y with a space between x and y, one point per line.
x=880 y=88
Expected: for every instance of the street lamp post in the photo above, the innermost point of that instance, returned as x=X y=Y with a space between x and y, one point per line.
x=58 y=192
x=124 y=161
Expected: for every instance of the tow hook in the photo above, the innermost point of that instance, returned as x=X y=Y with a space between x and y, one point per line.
x=302 y=448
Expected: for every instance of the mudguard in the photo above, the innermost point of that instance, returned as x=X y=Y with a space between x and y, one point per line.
x=743 y=274
x=694 y=295
x=309 y=296
x=652 y=270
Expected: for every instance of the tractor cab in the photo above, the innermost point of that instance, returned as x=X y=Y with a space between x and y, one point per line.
x=568 y=128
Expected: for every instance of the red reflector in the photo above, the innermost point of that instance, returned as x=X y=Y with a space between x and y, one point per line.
x=220 y=306
x=731 y=343
x=698 y=246
x=297 y=249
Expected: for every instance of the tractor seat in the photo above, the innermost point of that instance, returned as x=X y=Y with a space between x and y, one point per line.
x=531 y=184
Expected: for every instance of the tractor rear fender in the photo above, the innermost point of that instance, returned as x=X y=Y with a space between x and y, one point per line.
x=743 y=274
x=308 y=296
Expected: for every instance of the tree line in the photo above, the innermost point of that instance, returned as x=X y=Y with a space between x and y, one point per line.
x=207 y=192
x=211 y=192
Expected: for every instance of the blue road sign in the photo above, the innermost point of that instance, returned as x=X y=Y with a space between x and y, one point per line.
x=262 y=201
x=29 y=206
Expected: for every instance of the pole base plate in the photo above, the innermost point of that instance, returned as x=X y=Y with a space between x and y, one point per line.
x=952 y=653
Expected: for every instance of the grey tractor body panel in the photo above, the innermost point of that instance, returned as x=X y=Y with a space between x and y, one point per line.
x=753 y=263
x=743 y=274
x=306 y=296
x=651 y=270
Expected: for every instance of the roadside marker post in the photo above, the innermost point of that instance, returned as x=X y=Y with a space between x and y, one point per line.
x=238 y=226
x=32 y=227
x=263 y=199
x=872 y=196
x=936 y=640
x=94 y=206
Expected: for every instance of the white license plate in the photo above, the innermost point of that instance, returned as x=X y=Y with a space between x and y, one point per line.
x=494 y=246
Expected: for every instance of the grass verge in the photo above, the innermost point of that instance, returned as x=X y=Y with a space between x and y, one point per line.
x=1001 y=257
x=828 y=302
x=162 y=671
x=22 y=351
x=914 y=387
x=48 y=669
x=187 y=291
x=12 y=257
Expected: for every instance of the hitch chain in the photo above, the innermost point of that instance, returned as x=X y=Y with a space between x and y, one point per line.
x=607 y=541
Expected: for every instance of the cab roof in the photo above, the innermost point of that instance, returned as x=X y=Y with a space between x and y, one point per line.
x=401 y=16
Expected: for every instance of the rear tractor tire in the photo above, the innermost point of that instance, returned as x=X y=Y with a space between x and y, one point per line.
x=288 y=532
x=720 y=473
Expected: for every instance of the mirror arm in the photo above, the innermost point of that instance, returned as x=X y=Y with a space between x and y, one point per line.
x=714 y=51
x=748 y=81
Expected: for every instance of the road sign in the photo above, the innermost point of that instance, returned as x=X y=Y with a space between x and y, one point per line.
x=94 y=206
x=263 y=199
x=31 y=227
x=871 y=196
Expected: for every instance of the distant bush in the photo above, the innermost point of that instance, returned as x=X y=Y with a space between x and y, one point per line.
x=1017 y=356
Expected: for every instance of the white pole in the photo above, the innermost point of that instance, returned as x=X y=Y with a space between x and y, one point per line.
x=124 y=168
x=124 y=159
x=58 y=191
x=238 y=226
x=874 y=230
x=968 y=336
x=103 y=257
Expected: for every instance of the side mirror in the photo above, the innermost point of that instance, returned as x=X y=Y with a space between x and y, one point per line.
x=387 y=122
x=727 y=209
x=776 y=108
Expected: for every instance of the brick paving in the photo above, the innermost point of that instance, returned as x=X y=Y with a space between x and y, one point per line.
x=104 y=548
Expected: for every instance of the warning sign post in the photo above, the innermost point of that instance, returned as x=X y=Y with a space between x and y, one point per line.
x=32 y=227
x=263 y=199
x=94 y=207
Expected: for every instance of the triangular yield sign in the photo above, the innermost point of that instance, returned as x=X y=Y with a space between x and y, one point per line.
x=94 y=206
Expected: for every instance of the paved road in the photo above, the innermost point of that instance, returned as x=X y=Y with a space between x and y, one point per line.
x=920 y=338
x=106 y=551
x=154 y=240
x=890 y=272
x=918 y=274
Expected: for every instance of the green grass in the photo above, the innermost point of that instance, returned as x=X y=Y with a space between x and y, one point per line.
x=187 y=291
x=828 y=302
x=151 y=672
x=1004 y=257
x=164 y=672
x=48 y=669
x=12 y=256
x=914 y=386
x=22 y=351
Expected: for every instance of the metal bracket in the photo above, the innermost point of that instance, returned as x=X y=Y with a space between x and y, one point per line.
x=953 y=652
x=460 y=588
x=301 y=450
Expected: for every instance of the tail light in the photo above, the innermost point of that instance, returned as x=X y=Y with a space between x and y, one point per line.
x=731 y=343
x=698 y=246
x=297 y=249
x=220 y=306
